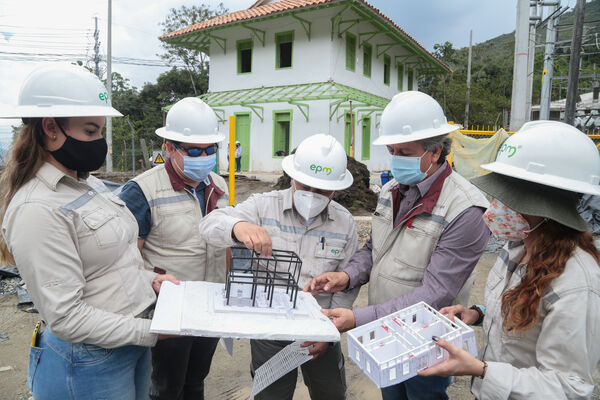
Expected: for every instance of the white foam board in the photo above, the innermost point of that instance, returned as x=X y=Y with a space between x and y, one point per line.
x=197 y=309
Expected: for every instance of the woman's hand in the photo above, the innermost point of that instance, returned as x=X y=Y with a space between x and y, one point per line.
x=466 y=315
x=160 y=278
x=459 y=363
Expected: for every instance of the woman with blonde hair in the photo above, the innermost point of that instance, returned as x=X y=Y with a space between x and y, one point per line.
x=542 y=298
x=75 y=244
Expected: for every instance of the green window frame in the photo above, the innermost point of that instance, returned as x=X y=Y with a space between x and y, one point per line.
x=244 y=52
x=400 y=77
x=282 y=140
x=410 y=78
x=365 y=151
x=284 y=49
x=367 y=59
x=350 y=52
x=386 y=69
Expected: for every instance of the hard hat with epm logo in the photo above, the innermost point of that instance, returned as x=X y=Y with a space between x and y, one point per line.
x=61 y=90
x=412 y=116
x=319 y=162
x=550 y=153
x=191 y=120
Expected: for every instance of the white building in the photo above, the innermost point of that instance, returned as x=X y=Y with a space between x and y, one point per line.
x=291 y=68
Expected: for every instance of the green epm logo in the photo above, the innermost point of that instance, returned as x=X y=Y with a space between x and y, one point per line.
x=319 y=168
x=335 y=252
x=510 y=150
x=103 y=96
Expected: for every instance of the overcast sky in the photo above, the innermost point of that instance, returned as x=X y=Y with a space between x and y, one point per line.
x=66 y=27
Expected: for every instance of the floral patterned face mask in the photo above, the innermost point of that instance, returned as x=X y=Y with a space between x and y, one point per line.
x=505 y=223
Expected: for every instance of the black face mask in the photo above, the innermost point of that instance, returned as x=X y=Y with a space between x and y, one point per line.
x=79 y=155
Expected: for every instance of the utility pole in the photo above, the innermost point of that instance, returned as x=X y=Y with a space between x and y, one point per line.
x=548 y=72
x=518 y=111
x=469 y=79
x=534 y=17
x=572 y=88
x=109 y=161
x=96 y=49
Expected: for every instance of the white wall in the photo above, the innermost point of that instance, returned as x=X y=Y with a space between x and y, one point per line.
x=318 y=60
x=356 y=78
x=309 y=58
x=261 y=135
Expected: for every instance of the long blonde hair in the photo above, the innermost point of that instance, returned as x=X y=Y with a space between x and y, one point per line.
x=26 y=156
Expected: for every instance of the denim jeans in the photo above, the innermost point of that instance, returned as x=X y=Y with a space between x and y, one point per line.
x=418 y=388
x=65 y=370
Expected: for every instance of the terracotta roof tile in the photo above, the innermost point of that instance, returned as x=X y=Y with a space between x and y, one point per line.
x=279 y=7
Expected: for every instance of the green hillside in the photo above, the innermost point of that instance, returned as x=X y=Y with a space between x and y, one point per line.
x=492 y=66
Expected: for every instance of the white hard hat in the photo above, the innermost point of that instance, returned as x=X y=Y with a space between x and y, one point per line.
x=412 y=116
x=319 y=162
x=551 y=153
x=191 y=120
x=61 y=90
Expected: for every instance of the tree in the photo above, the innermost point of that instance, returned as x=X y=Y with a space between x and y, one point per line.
x=444 y=52
x=194 y=60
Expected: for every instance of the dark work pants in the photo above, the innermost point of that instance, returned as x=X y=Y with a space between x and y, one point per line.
x=325 y=377
x=179 y=366
x=238 y=164
x=418 y=388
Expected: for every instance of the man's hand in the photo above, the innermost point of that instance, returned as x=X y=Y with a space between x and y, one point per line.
x=317 y=350
x=459 y=363
x=254 y=237
x=466 y=315
x=160 y=278
x=342 y=318
x=329 y=282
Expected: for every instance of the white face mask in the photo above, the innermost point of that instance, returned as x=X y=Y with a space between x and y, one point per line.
x=309 y=204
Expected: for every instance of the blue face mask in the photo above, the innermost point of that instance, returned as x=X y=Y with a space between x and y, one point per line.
x=407 y=170
x=198 y=168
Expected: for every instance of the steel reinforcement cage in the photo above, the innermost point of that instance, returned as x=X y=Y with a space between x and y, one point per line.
x=281 y=270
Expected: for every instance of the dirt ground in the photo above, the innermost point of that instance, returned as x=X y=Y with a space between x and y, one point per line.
x=229 y=377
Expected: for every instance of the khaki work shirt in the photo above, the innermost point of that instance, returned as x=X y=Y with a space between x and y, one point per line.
x=554 y=359
x=324 y=246
x=75 y=245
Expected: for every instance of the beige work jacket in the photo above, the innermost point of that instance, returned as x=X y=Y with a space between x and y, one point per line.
x=75 y=245
x=325 y=246
x=556 y=358
x=174 y=243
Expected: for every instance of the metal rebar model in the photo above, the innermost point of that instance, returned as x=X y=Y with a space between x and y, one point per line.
x=248 y=268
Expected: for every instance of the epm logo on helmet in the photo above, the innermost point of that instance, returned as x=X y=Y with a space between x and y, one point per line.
x=319 y=168
x=103 y=96
x=511 y=150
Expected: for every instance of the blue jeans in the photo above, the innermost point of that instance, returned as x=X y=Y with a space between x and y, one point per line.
x=65 y=370
x=418 y=388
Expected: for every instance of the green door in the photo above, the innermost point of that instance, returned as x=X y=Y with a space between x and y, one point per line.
x=348 y=131
x=366 y=138
x=242 y=134
x=281 y=133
